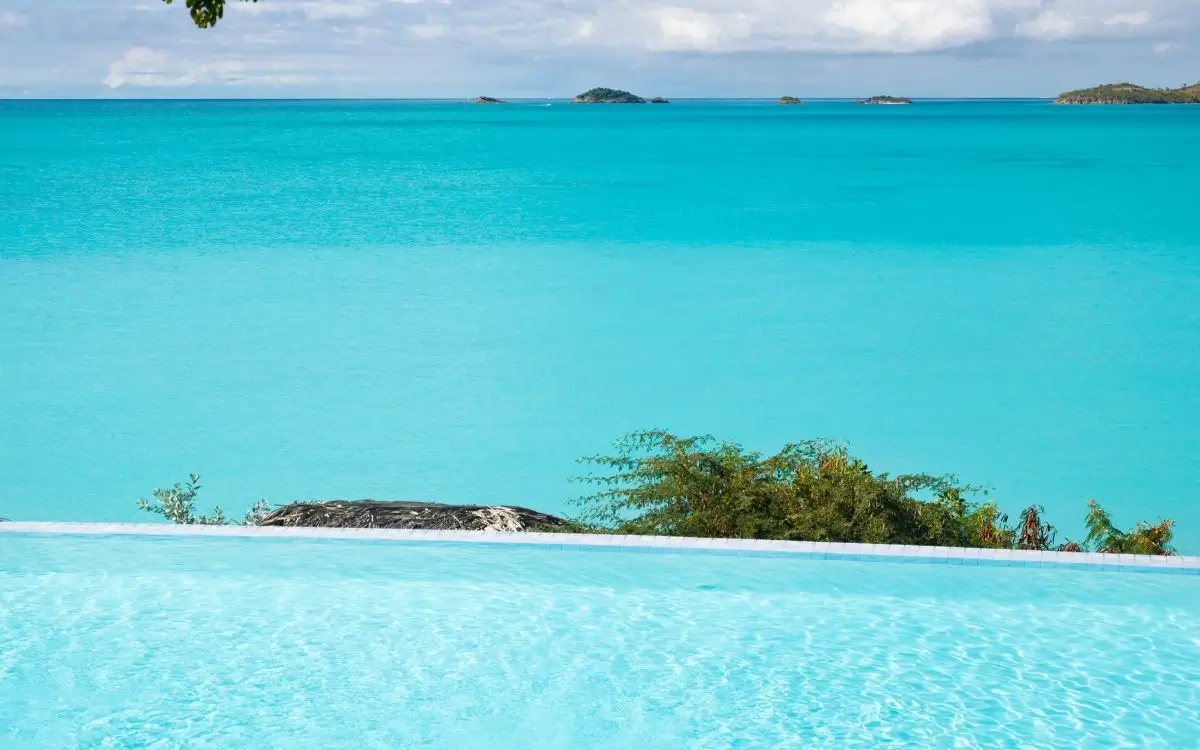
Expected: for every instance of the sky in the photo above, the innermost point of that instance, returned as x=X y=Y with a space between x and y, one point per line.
x=556 y=48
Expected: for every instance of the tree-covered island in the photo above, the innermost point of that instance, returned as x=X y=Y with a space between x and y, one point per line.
x=1129 y=93
x=607 y=96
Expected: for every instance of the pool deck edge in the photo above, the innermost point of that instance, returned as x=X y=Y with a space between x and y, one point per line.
x=747 y=547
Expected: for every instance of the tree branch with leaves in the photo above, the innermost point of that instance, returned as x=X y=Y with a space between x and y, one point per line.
x=206 y=13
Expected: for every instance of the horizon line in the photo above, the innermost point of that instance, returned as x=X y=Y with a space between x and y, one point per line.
x=470 y=98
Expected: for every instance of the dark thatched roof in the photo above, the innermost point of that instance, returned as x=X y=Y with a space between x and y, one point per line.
x=369 y=514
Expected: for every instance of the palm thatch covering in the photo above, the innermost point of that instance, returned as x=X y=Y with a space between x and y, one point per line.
x=370 y=514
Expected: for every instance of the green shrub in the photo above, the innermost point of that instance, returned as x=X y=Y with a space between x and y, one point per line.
x=178 y=505
x=1145 y=539
x=657 y=483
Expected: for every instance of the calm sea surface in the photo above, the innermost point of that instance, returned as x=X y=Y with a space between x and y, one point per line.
x=447 y=302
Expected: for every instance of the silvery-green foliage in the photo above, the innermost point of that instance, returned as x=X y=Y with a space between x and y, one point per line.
x=256 y=512
x=178 y=504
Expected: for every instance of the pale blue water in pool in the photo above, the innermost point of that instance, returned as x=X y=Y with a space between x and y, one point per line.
x=446 y=302
x=137 y=642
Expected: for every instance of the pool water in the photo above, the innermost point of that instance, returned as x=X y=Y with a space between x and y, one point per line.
x=287 y=643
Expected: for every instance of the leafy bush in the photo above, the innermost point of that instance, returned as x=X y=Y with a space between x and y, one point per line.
x=657 y=483
x=259 y=509
x=660 y=484
x=1145 y=539
x=178 y=505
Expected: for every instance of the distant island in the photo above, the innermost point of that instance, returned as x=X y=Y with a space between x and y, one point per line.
x=487 y=100
x=789 y=100
x=885 y=100
x=1129 y=93
x=607 y=96
x=659 y=100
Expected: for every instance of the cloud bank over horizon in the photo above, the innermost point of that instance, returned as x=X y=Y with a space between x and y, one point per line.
x=555 y=47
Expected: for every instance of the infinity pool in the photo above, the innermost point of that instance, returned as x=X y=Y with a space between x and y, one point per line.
x=292 y=643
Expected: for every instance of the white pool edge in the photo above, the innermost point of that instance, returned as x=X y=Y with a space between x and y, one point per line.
x=752 y=547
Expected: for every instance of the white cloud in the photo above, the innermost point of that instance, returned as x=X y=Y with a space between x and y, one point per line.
x=351 y=45
x=900 y=25
x=144 y=66
x=427 y=31
x=1163 y=48
x=716 y=26
x=314 y=9
x=1140 y=18
x=818 y=25
x=12 y=20
x=687 y=29
x=1063 y=19
x=1047 y=26
x=331 y=9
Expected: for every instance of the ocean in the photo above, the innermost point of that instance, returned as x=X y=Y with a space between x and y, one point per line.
x=448 y=302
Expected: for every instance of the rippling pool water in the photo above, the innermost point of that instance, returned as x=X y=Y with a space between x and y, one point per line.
x=199 y=642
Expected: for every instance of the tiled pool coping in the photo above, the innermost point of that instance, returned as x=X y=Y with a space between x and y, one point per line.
x=568 y=542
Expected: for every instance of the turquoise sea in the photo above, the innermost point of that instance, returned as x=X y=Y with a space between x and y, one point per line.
x=431 y=300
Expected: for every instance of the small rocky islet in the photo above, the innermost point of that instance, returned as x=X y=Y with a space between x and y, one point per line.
x=608 y=96
x=593 y=96
x=884 y=100
x=789 y=100
x=1130 y=93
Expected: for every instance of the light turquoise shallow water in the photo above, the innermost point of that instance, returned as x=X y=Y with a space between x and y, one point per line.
x=446 y=302
x=128 y=642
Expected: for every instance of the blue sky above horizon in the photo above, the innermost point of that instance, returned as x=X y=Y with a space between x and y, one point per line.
x=540 y=48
